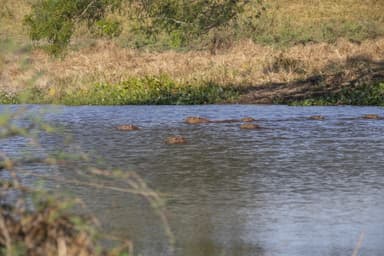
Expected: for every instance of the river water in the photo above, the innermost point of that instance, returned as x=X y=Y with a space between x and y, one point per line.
x=295 y=187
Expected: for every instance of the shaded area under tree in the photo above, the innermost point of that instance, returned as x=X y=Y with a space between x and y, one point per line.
x=359 y=76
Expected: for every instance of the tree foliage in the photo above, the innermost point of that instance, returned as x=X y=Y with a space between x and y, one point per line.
x=56 y=20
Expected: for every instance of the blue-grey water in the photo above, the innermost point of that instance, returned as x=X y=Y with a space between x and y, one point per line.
x=294 y=187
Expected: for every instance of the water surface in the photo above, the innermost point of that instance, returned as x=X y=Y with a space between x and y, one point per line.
x=295 y=187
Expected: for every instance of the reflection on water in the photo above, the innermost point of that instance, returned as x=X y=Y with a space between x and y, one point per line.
x=297 y=187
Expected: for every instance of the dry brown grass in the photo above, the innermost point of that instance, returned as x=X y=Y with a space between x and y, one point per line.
x=244 y=64
x=11 y=17
x=318 y=11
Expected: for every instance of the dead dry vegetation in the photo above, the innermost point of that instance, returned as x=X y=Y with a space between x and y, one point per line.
x=246 y=64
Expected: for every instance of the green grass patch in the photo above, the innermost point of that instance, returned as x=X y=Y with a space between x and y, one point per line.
x=135 y=91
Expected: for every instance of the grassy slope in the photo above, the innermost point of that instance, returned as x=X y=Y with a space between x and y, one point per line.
x=323 y=20
x=292 y=43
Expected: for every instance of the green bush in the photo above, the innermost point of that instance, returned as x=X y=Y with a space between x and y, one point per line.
x=7 y=98
x=108 y=28
x=55 y=21
x=150 y=90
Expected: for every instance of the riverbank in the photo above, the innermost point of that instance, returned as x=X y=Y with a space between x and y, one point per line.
x=330 y=53
x=344 y=72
